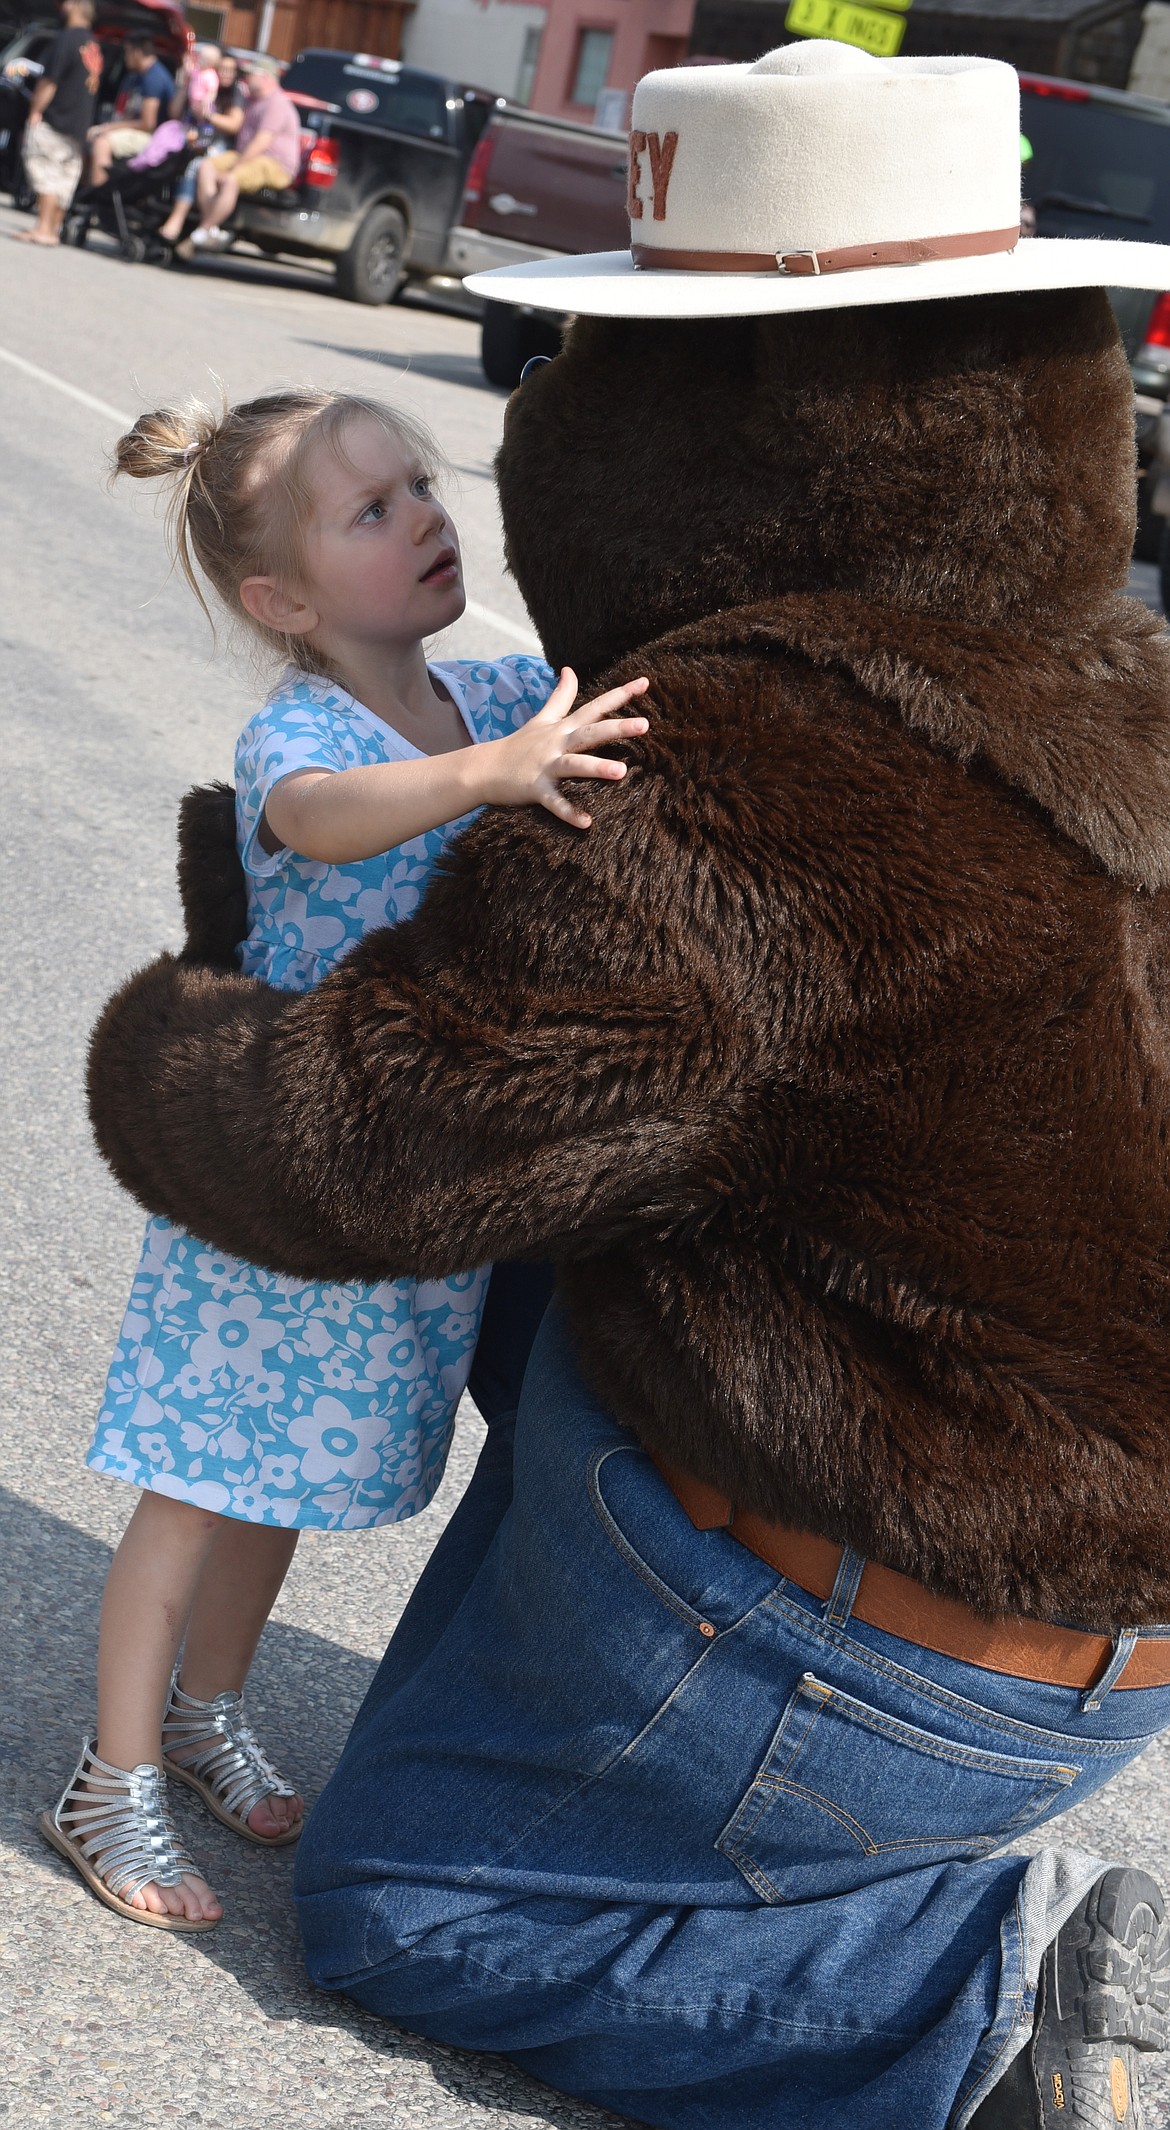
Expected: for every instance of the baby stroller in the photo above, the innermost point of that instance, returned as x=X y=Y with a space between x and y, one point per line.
x=131 y=207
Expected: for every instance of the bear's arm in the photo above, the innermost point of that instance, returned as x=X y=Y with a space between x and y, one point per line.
x=537 y=1061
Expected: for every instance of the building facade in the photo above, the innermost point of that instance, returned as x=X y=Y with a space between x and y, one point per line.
x=285 y=27
x=595 y=51
x=1087 y=40
x=491 y=44
x=577 y=59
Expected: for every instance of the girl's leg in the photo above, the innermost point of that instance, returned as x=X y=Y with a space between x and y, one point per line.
x=172 y=228
x=237 y=1589
x=149 y=1593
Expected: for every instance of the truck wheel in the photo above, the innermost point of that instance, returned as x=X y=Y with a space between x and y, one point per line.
x=373 y=268
x=510 y=338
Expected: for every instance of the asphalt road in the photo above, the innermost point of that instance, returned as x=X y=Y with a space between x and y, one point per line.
x=114 y=702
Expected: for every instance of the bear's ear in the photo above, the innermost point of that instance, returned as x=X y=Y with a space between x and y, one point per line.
x=212 y=886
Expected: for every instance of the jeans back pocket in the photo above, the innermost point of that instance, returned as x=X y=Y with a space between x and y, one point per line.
x=849 y=1795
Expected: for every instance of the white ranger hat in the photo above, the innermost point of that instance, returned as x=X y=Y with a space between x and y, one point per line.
x=817 y=179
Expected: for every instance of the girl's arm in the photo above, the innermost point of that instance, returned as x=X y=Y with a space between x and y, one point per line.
x=340 y=816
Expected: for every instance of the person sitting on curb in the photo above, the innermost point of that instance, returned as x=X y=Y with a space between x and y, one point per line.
x=142 y=101
x=218 y=128
x=269 y=154
x=54 y=154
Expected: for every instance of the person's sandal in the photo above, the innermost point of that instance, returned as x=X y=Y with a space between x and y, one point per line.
x=229 y=1768
x=113 y=1826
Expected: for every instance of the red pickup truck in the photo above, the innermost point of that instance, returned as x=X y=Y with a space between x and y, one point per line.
x=535 y=186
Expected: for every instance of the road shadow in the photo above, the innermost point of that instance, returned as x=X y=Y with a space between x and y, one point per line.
x=447 y=369
x=245 y=267
x=303 y=1695
x=304 y=277
x=316 y=277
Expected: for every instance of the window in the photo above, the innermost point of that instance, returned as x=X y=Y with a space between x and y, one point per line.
x=593 y=54
x=209 y=23
x=1095 y=166
x=528 y=59
x=374 y=92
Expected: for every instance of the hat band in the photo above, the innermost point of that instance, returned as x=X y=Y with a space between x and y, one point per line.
x=912 y=252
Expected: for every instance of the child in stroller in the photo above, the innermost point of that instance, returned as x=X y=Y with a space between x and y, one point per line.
x=131 y=206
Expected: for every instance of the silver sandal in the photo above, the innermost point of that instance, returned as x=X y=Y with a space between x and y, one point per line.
x=230 y=1771
x=113 y=1826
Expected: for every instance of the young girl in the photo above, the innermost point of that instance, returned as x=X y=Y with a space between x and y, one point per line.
x=248 y=1406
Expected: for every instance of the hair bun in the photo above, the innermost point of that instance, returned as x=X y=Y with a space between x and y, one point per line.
x=168 y=441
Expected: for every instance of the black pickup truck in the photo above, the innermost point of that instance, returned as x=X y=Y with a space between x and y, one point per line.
x=385 y=153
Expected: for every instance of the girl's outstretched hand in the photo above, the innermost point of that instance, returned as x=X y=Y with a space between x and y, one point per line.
x=526 y=768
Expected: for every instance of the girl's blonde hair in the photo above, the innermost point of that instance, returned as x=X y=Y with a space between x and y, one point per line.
x=241 y=500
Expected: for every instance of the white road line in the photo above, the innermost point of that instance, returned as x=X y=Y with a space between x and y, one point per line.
x=515 y=631
x=84 y=399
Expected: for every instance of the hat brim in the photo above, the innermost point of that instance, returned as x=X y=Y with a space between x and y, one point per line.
x=606 y=284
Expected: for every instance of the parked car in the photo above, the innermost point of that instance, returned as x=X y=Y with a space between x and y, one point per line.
x=385 y=152
x=23 y=56
x=535 y=186
x=1100 y=167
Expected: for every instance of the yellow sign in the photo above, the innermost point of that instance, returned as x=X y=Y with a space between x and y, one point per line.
x=869 y=27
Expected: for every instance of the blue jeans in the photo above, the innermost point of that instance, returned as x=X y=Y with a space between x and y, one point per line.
x=186 y=182
x=678 y=1838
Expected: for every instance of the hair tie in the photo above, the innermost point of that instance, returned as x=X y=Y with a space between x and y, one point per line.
x=193 y=450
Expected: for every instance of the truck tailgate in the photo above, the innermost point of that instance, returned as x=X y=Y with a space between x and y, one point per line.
x=560 y=189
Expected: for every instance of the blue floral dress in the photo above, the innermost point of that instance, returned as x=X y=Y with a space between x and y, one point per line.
x=272 y=1399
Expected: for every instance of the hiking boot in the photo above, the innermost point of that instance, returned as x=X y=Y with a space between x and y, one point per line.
x=1104 y=1997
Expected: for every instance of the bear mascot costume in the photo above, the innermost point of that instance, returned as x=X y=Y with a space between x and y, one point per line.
x=829 y=1551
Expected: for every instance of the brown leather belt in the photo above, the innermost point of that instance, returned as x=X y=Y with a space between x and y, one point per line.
x=1025 y=1649
x=911 y=251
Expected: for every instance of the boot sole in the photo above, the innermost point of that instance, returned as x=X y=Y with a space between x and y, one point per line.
x=1106 y=1996
x=1112 y=1964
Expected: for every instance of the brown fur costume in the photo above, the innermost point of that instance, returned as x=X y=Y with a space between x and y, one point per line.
x=832 y=1063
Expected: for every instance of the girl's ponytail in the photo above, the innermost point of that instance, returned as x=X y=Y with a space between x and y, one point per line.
x=164 y=443
x=168 y=445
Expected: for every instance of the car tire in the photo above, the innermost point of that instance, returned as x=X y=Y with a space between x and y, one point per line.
x=510 y=337
x=374 y=267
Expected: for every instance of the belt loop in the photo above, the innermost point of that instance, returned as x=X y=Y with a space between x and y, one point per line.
x=1124 y=1645
x=844 y=1591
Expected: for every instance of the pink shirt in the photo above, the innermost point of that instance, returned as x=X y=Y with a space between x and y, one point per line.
x=276 y=115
